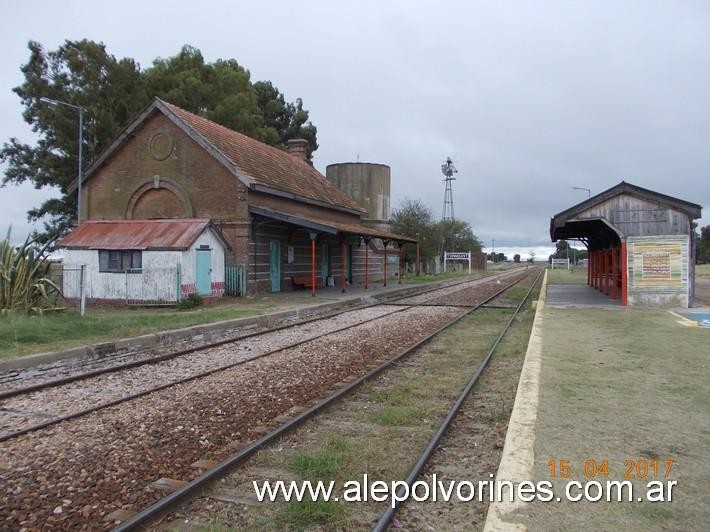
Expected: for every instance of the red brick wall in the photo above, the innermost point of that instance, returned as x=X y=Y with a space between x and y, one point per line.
x=208 y=188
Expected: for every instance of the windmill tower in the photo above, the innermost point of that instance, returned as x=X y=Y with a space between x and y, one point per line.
x=448 y=169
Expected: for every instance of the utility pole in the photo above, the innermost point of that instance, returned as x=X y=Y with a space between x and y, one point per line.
x=56 y=103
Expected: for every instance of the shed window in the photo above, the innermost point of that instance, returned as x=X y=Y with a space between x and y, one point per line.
x=120 y=261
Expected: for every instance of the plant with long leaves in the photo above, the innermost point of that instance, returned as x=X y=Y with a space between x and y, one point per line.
x=24 y=283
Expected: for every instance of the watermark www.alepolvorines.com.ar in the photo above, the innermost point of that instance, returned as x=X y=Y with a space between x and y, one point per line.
x=436 y=490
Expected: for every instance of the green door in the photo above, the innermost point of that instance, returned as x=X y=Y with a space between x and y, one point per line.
x=203 y=271
x=324 y=263
x=275 y=265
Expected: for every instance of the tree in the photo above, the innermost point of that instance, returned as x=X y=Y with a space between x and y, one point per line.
x=113 y=91
x=414 y=219
x=81 y=73
x=703 y=251
x=516 y=258
x=457 y=235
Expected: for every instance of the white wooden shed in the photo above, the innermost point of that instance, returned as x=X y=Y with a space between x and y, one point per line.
x=144 y=261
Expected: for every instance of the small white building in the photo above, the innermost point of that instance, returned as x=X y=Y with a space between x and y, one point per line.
x=144 y=261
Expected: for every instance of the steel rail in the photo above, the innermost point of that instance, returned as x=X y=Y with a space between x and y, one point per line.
x=388 y=514
x=168 y=356
x=202 y=374
x=163 y=505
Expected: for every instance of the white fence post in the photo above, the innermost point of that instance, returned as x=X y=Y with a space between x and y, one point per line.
x=177 y=293
x=82 y=290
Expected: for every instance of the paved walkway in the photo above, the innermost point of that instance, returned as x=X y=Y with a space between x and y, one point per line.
x=577 y=295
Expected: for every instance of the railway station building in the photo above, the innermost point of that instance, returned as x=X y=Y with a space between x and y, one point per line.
x=640 y=242
x=284 y=225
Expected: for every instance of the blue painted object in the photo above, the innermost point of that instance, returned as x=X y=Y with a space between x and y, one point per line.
x=703 y=318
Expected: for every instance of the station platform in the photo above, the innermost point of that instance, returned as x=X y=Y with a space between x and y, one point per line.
x=609 y=386
x=578 y=295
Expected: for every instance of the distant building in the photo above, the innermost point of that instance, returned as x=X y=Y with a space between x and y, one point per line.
x=275 y=213
x=640 y=242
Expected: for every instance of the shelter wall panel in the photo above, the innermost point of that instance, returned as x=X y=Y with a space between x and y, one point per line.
x=658 y=270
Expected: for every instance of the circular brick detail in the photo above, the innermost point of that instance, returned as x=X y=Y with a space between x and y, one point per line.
x=161 y=146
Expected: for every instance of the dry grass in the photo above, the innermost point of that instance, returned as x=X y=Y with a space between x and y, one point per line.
x=618 y=385
x=702 y=271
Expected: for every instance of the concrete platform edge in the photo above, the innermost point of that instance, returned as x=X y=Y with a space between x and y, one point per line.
x=163 y=338
x=518 y=456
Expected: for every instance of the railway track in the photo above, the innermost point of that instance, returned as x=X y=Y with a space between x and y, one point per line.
x=45 y=404
x=58 y=374
x=169 y=503
x=90 y=437
x=385 y=518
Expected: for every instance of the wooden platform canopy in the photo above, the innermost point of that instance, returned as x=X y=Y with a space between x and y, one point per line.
x=315 y=226
x=623 y=214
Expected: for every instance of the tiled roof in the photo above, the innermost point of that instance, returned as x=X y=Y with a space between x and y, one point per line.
x=265 y=165
x=175 y=234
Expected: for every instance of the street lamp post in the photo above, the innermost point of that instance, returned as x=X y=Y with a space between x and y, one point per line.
x=55 y=103
x=589 y=191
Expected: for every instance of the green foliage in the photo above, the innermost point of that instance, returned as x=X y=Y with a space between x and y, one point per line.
x=457 y=235
x=497 y=257
x=191 y=301
x=334 y=460
x=564 y=250
x=300 y=515
x=24 y=285
x=396 y=416
x=413 y=218
x=112 y=91
x=703 y=251
x=516 y=258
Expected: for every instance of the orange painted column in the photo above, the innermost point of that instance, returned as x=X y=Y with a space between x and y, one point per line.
x=615 y=273
x=592 y=256
x=624 y=275
x=342 y=282
x=385 y=263
x=313 y=267
x=589 y=268
x=366 y=246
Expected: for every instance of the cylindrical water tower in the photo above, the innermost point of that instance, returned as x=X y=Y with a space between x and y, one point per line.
x=368 y=184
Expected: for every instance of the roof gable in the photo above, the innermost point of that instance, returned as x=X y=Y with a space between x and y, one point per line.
x=693 y=210
x=257 y=165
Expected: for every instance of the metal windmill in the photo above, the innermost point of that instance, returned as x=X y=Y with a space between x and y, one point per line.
x=448 y=169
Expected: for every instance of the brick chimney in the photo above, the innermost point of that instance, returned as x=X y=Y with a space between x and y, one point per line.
x=298 y=148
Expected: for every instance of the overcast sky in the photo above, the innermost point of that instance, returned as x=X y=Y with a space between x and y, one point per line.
x=529 y=98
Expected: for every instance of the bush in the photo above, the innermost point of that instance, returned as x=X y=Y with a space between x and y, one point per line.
x=191 y=301
x=24 y=284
